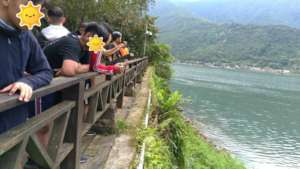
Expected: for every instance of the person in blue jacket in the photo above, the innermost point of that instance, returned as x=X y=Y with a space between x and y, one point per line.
x=20 y=53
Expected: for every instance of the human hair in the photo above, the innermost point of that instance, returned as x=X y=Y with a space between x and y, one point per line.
x=107 y=27
x=116 y=35
x=96 y=29
x=56 y=14
x=83 y=25
x=38 y=1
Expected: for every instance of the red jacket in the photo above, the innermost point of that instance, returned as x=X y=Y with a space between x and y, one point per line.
x=97 y=66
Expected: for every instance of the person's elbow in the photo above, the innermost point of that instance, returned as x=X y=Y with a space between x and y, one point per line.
x=43 y=78
x=69 y=72
x=69 y=68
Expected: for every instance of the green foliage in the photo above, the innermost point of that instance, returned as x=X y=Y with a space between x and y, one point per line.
x=121 y=126
x=168 y=102
x=199 y=154
x=158 y=53
x=189 y=149
x=127 y=16
x=159 y=56
x=157 y=154
x=170 y=123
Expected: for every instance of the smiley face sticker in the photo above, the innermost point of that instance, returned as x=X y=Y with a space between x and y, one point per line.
x=95 y=44
x=30 y=15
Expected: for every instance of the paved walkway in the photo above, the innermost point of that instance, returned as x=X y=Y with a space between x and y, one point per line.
x=124 y=149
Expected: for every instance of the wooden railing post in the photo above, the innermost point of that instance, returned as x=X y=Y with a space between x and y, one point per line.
x=140 y=73
x=120 y=98
x=75 y=93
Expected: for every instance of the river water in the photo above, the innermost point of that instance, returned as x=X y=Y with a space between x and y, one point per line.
x=255 y=116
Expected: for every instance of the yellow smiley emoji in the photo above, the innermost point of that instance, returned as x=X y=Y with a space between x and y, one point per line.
x=30 y=15
x=95 y=44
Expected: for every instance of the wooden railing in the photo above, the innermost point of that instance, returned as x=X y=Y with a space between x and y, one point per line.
x=67 y=120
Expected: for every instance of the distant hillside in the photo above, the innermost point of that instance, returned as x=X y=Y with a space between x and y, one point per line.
x=200 y=40
x=258 y=12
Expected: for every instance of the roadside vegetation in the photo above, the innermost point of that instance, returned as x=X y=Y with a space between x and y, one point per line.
x=171 y=141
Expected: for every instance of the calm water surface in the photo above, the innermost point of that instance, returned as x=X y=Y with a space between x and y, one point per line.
x=256 y=116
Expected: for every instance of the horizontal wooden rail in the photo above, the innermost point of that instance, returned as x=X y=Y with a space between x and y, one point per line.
x=66 y=121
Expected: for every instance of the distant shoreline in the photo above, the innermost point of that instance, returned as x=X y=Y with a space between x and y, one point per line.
x=240 y=67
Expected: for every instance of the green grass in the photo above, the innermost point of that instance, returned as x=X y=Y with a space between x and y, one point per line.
x=157 y=153
x=199 y=154
x=121 y=126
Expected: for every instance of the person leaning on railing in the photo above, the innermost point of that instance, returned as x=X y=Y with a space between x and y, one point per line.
x=20 y=53
x=69 y=55
x=119 y=55
x=109 y=50
x=105 y=61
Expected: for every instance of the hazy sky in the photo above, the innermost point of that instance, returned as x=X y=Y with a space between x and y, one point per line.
x=185 y=0
x=191 y=0
x=224 y=0
x=178 y=1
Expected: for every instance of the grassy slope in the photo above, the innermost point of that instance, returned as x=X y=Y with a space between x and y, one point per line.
x=187 y=149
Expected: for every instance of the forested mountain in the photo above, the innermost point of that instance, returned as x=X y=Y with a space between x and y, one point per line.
x=258 y=12
x=193 y=38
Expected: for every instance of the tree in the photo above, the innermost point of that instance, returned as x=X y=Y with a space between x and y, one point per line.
x=126 y=16
x=160 y=57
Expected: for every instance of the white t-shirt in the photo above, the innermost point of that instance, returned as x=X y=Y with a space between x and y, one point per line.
x=54 y=32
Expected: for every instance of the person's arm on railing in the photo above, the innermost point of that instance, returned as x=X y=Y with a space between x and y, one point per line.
x=72 y=68
x=40 y=74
